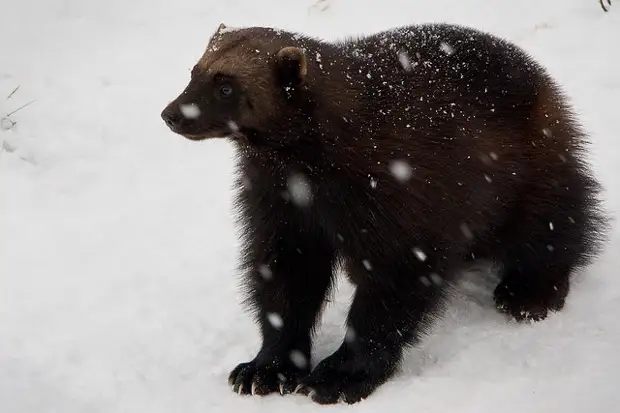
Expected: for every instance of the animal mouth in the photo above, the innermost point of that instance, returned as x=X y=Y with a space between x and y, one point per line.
x=212 y=134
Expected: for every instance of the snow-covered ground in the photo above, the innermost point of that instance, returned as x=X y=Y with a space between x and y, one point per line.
x=117 y=245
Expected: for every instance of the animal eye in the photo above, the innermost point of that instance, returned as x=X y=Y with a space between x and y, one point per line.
x=226 y=90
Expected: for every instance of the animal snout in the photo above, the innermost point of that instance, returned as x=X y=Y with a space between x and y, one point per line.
x=172 y=117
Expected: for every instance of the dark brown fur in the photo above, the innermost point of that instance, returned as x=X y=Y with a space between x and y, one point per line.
x=497 y=170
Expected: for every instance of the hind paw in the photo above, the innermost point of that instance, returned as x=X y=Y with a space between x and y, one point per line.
x=528 y=304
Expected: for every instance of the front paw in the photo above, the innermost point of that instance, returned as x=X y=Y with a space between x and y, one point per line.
x=267 y=376
x=346 y=378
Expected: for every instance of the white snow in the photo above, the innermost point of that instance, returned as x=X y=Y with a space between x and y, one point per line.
x=118 y=249
x=6 y=124
x=228 y=29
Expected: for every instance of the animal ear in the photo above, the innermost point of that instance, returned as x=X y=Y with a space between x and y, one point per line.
x=292 y=66
x=220 y=27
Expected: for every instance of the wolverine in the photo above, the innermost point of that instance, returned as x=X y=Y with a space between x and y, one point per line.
x=398 y=157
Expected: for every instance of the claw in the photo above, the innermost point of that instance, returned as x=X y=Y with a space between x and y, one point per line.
x=254 y=385
x=282 y=389
x=303 y=389
x=311 y=394
x=240 y=389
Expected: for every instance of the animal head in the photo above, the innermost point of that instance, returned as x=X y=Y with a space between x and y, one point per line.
x=240 y=83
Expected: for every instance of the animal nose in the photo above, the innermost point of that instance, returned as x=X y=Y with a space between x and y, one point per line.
x=171 y=117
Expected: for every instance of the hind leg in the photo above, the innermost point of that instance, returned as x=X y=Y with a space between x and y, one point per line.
x=529 y=292
x=538 y=253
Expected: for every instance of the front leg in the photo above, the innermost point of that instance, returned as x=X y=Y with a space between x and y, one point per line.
x=386 y=314
x=289 y=274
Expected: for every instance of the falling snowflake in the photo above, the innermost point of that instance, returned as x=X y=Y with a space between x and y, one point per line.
x=547 y=132
x=373 y=183
x=404 y=61
x=436 y=279
x=299 y=190
x=233 y=126
x=190 y=110
x=367 y=265
x=493 y=156
x=551 y=226
x=265 y=272
x=401 y=170
x=466 y=231
x=350 y=335
x=486 y=159
x=446 y=48
x=419 y=254
x=275 y=320
x=298 y=359
x=425 y=281
x=246 y=182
